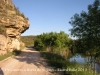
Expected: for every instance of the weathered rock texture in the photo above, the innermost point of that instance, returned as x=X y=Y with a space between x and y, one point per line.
x=13 y=23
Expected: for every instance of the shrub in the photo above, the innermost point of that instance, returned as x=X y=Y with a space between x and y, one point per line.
x=54 y=60
x=16 y=52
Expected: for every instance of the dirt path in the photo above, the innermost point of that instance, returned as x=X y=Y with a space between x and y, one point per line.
x=28 y=62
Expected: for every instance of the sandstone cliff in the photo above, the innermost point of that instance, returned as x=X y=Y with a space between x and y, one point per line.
x=12 y=24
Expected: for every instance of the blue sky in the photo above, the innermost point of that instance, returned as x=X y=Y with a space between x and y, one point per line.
x=50 y=15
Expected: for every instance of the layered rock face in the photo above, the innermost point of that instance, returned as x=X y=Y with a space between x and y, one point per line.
x=15 y=23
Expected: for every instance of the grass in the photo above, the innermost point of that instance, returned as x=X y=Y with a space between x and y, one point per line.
x=76 y=69
x=2 y=57
x=71 y=68
x=55 y=60
x=15 y=53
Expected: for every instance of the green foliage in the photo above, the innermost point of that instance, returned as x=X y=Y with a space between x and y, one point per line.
x=86 y=24
x=53 y=42
x=69 y=68
x=55 y=60
x=76 y=69
x=86 y=27
x=16 y=52
x=53 y=46
x=2 y=57
x=28 y=40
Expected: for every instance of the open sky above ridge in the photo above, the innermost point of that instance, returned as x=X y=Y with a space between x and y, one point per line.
x=50 y=15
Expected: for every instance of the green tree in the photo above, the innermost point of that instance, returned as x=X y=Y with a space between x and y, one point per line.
x=86 y=27
x=53 y=42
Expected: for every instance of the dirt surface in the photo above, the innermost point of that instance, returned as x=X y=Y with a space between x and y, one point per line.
x=28 y=62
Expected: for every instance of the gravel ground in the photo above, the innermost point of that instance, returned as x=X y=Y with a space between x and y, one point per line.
x=28 y=62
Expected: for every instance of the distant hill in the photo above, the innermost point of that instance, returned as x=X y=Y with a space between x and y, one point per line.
x=28 y=40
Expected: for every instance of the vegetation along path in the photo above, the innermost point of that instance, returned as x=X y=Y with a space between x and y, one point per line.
x=28 y=62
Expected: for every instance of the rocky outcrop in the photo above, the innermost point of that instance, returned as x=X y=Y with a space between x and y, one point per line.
x=15 y=24
x=3 y=44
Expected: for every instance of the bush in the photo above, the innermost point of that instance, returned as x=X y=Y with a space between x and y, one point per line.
x=54 y=60
x=53 y=42
x=16 y=52
x=70 y=68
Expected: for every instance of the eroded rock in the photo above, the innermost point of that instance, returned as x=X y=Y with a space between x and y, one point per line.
x=15 y=24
